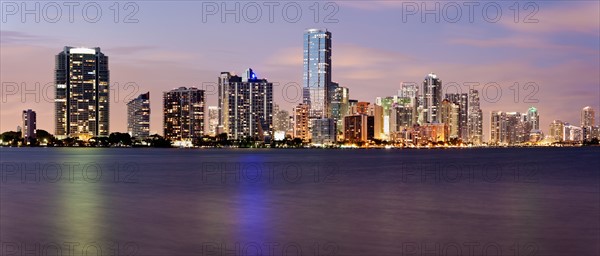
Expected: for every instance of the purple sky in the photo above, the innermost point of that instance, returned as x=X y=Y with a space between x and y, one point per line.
x=377 y=46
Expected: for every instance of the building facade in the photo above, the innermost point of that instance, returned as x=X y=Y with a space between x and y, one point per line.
x=324 y=131
x=212 y=121
x=359 y=128
x=81 y=93
x=462 y=101
x=301 y=122
x=431 y=98
x=449 y=115
x=556 y=131
x=246 y=105
x=475 y=120
x=29 y=125
x=317 y=72
x=183 y=114
x=138 y=116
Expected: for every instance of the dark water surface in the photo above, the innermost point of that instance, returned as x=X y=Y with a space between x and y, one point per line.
x=78 y=201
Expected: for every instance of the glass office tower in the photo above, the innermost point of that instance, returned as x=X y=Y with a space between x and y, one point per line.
x=317 y=72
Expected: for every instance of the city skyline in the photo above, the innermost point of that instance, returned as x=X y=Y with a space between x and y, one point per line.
x=358 y=63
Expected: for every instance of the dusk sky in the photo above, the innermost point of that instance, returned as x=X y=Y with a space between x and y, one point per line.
x=374 y=51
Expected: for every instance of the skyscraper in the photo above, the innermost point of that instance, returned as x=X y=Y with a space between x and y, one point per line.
x=246 y=106
x=449 y=115
x=138 y=116
x=29 y=125
x=317 y=72
x=496 y=119
x=556 y=130
x=533 y=119
x=431 y=98
x=475 y=120
x=462 y=101
x=82 y=93
x=508 y=128
x=339 y=105
x=183 y=111
x=588 y=120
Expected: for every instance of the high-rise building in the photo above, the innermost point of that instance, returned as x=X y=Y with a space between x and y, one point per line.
x=572 y=133
x=496 y=120
x=556 y=130
x=588 y=122
x=508 y=128
x=301 y=122
x=462 y=101
x=431 y=98
x=588 y=116
x=533 y=119
x=359 y=128
x=213 y=120
x=138 y=116
x=323 y=131
x=183 y=113
x=82 y=93
x=317 y=72
x=339 y=105
x=409 y=90
x=281 y=119
x=449 y=115
x=246 y=105
x=475 y=119
x=29 y=125
x=387 y=116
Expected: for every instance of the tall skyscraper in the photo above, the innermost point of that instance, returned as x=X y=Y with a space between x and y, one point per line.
x=29 y=125
x=82 y=93
x=246 y=106
x=462 y=101
x=138 y=116
x=317 y=72
x=183 y=111
x=431 y=98
x=475 y=120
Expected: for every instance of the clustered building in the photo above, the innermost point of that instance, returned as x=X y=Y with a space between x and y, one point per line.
x=587 y=131
x=512 y=128
x=419 y=114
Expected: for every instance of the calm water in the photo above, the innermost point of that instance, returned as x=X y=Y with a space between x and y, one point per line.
x=69 y=201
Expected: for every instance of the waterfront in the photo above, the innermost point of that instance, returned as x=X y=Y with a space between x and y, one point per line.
x=520 y=201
